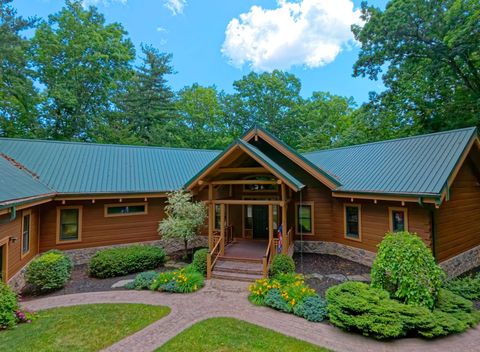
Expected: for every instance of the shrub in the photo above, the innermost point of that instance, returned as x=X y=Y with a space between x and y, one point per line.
x=313 y=308
x=200 y=261
x=125 y=260
x=142 y=281
x=276 y=300
x=405 y=267
x=468 y=287
x=8 y=307
x=49 y=272
x=179 y=281
x=282 y=264
x=355 y=306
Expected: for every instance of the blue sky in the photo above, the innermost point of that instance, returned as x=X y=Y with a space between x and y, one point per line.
x=216 y=42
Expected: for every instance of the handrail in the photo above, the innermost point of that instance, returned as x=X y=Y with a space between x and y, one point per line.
x=210 y=264
x=267 y=258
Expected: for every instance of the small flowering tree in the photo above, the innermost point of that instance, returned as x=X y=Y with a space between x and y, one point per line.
x=184 y=219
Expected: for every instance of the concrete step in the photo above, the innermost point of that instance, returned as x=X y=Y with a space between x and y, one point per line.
x=223 y=265
x=224 y=275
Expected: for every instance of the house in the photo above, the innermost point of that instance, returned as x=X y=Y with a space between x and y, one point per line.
x=263 y=197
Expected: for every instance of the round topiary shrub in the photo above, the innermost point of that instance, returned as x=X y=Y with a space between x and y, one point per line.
x=405 y=267
x=282 y=264
x=125 y=260
x=49 y=272
x=8 y=307
x=200 y=261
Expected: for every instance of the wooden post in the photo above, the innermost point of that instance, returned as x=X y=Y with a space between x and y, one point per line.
x=222 y=229
x=284 y=221
x=209 y=266
x=211 y=215
x=270 y=223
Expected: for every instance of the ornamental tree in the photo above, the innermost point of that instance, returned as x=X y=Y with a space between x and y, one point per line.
x=184 y=218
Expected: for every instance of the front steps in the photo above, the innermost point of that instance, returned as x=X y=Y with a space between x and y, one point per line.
x=238 y=269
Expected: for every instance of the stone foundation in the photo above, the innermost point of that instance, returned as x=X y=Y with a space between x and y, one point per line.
x=351 y=253
x=461 y=263
x=17 y=282
x=83 y=255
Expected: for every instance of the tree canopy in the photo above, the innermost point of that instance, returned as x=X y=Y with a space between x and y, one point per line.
x=79 y=78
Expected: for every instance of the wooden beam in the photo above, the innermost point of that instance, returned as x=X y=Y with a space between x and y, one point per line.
x=284 y=220
x=244 y=182
x=270 y=223
x=222 y=229
x=241 y=170
x=247 y=202
x=383 y=197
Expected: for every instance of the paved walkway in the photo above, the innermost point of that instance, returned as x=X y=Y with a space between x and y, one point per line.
x=229 y=299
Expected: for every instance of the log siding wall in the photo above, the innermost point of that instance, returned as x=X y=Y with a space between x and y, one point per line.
x=458 y=219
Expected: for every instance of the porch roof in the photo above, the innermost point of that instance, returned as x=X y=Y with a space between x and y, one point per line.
x=256 y=154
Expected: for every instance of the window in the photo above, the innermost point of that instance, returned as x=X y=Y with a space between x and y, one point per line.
x=353 y=222
x=304 y=218
x=217 y=210
x=69 y=224
x=398 y=219
x=26 y=225
x=125 y=209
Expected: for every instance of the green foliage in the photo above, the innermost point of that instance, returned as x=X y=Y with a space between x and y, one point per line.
x=354 y=306
x=431 y=58
x=200 y=261
x=179 y=281
x=284 y=292
x=8 y=307
x=184 y=217
x=405 y=267
x=312 y=308
x=282 y=264
x=49 y=272
x=468 y=287
x=142 y=281
x=82 y=62
x=125 y=260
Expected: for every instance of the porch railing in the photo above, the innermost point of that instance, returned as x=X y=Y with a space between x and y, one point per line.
x=267 y=258
x=218 y=247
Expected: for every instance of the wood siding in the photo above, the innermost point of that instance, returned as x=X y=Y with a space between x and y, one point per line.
x=98 y=230
x=14 y=229
x=458 y=219
x=329 y=219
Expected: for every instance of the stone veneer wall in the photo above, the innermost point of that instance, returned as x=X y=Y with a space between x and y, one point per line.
x=461 y=263
x=351 y=253
x=83 y=255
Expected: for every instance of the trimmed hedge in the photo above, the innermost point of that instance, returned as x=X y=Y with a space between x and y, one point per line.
x=200 y=261
x=125 y=260
x=404 y=266
x=282 y=264
x=355 y=306
x=8 y=307
x=49 y=272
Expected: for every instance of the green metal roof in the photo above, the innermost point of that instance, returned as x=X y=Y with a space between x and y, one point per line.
x=18 y=184
x=419 y=165
x=70 y=167
x=259 y=154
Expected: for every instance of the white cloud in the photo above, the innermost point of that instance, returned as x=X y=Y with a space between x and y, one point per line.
x=176 y=6
x=306 y=32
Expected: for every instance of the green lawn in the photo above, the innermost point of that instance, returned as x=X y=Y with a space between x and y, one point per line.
x=80 y=328
x=228 y=334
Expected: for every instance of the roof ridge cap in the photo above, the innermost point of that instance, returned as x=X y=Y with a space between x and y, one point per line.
x=418 y=136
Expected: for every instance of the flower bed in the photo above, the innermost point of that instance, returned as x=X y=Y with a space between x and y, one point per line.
x=288 y=293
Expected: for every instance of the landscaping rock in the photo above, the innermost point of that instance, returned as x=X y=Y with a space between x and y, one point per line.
x=361 y=278
x=121 y=283
x=338 y=277
x=314 y=276
x=175 y=265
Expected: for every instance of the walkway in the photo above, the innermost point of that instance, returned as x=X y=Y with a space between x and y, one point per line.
x=229 y=299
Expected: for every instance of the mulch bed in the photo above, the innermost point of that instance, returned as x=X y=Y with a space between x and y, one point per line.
x=326 y=264
x=80 y=282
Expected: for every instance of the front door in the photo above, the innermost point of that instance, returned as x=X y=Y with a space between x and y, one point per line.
x=260 y=221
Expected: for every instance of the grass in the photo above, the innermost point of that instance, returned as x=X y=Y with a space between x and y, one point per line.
x=228 y=334
x=80 y=328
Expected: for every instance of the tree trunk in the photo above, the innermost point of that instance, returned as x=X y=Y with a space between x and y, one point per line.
x=186 y=250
